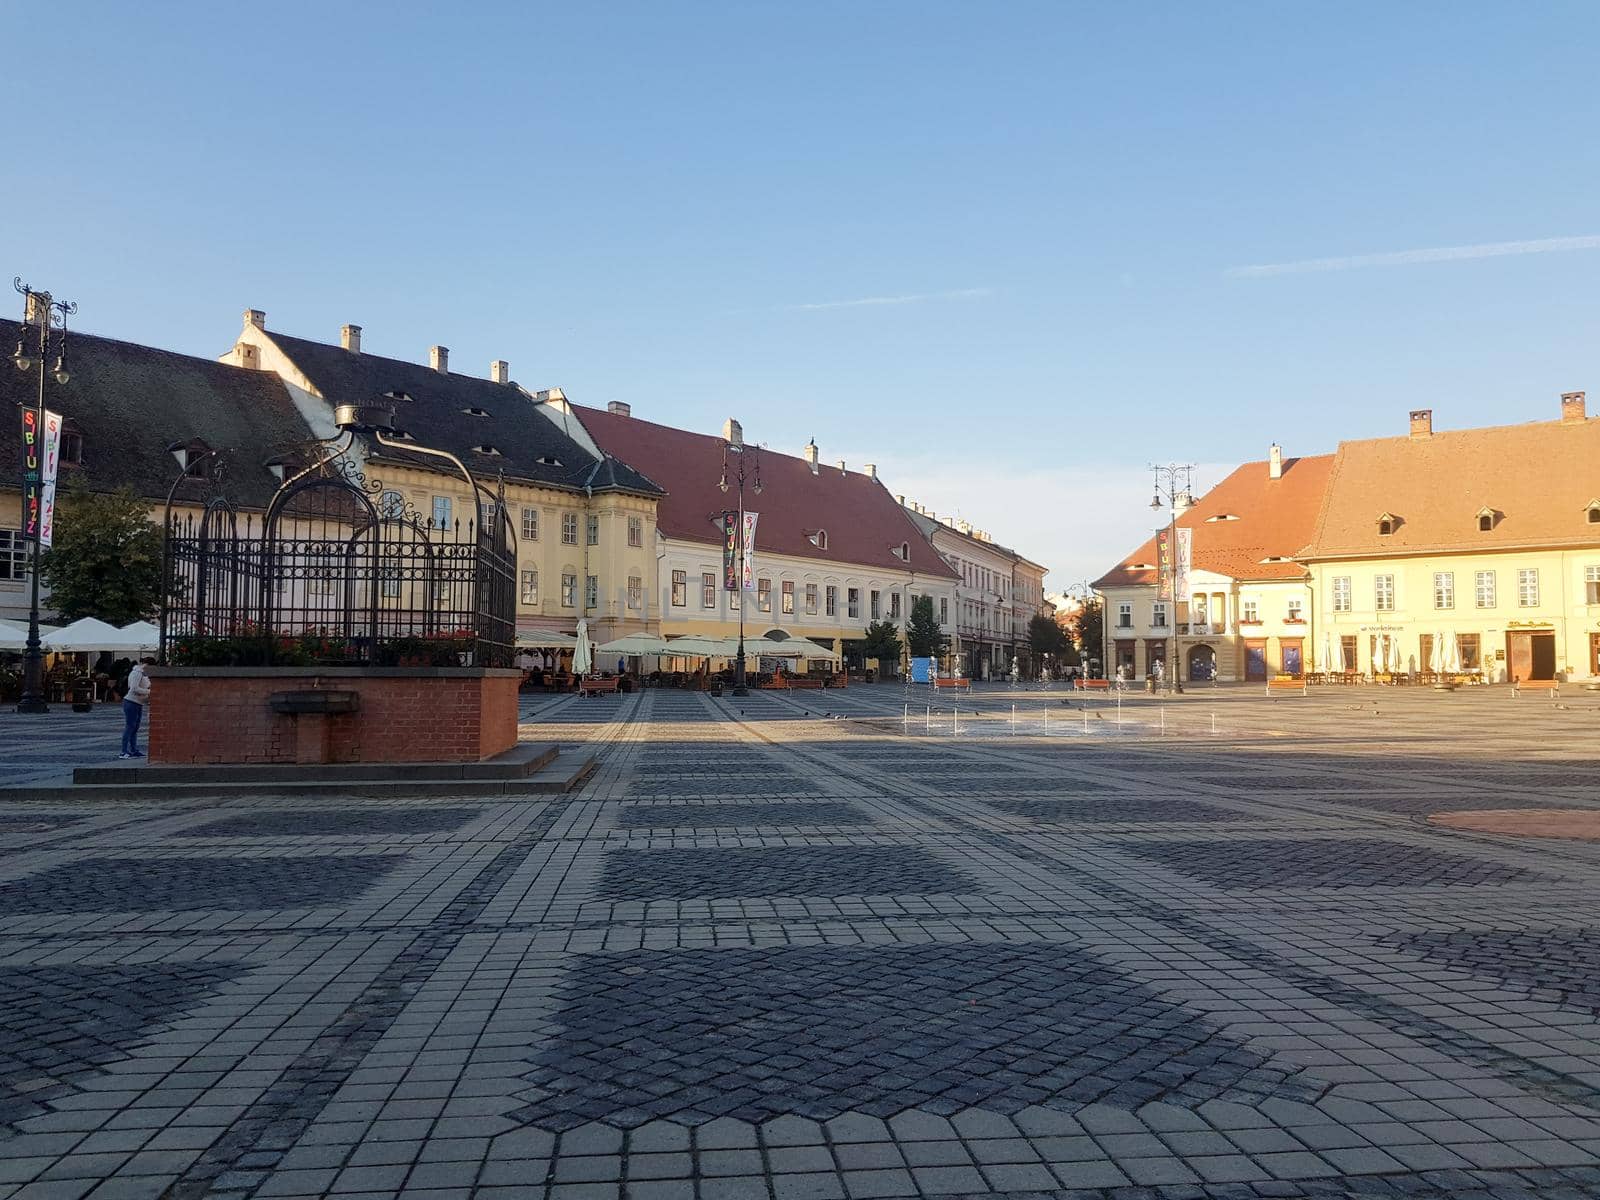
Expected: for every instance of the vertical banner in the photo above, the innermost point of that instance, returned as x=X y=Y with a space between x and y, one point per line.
x=1185 y=549
x=32 y=474
x=750 y=519
x=1164 y=564
x=52 y=460
x=730 y=552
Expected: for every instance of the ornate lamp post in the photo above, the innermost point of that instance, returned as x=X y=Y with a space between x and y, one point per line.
x=42 y=315
x=1179 y=482
x=743 y=468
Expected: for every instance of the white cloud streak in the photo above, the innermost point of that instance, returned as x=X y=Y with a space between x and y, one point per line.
x=1406 y=258
x=916 y=298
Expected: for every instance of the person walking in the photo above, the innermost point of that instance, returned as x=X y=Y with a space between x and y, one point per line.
x=134 y=699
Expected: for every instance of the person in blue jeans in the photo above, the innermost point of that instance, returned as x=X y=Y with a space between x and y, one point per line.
x=133 y=702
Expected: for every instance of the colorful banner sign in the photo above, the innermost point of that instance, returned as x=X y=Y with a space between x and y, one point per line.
x=32 y=474
x=750 y=519
x=1185 y=553
x=730 y=552
x=1164 y=564
x=52 y=461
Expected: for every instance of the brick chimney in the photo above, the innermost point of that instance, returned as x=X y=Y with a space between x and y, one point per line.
x=842 y=471
x=500 y=371
x=871 y=470
x=350 y=338
x=733 y=432
x=1573 y=411
x=254 y=316
x=439 y=359
x=619 y=408
x=1275 y=461
x=248 y=356
x=1421 y=422
x=811 y=455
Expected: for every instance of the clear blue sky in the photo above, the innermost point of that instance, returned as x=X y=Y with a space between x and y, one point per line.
x=672 y=204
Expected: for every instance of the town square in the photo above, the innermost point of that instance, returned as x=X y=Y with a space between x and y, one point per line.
x=708 y=601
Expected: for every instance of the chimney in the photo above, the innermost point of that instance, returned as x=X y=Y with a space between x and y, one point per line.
x=1572 y=408
x=900 y=500
x=255 y=317
x=439 y=359
x=733 y=432
x=500 y=371
x=350 y=338
x=811 y=455
x=1275 y=461
x=248 y=356
x=1421 y=422
x=1182 y=503
x=871 y=469
x=619 y=408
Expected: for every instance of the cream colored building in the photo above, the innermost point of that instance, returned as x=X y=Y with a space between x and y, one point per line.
x=1246 y=613
x=585 y=522
x=1487 y=538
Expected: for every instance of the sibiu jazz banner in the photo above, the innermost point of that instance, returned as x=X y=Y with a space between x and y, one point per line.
x=730 y=552
x=750 y=519
x=52 y=461
x=32 y=474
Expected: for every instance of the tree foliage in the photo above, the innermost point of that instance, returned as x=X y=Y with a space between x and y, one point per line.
x=923 y=634
x=882 y=642
x=1088 y=627
x=106 y=560
x=1045 y=636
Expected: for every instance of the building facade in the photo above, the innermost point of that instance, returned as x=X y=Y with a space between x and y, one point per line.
x=1485 y=542
x=1245 y=612
x=833 y=551
x=585 y=523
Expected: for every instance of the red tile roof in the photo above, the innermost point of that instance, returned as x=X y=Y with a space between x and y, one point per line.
x=1536 y=481
x=1275 y=518
x=864 y=524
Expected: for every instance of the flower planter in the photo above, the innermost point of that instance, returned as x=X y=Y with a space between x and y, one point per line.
x=372 y=714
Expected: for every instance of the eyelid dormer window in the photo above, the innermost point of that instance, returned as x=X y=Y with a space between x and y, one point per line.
x=1387 y=524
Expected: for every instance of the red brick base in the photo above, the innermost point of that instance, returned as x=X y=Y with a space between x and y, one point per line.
x=224 y=715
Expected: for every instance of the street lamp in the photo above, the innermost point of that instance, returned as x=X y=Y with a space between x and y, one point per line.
x=48 y=314
x=1179 y=481
x=743 y=469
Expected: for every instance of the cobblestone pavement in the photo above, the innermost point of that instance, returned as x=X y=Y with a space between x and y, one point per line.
x=828 y=945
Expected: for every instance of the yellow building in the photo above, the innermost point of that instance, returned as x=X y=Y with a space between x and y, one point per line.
x=585 y=522
x=1480 y=542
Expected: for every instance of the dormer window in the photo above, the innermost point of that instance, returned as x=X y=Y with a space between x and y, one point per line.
x=1594 y=512
x=1486 y=520
x=903 y=552
x=1275 y=558
x=193 y=456
x=1222 y=517
x=818 y=538
x=397 y=396
x=548 y=460
x=1387 y=524
x=486 y=449
x=476 y=412
x=400 y=435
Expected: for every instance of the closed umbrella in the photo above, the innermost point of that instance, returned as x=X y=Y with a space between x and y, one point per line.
x=1436 y=654
x=1329 y=662
x=1453 y=655
x=583 y=655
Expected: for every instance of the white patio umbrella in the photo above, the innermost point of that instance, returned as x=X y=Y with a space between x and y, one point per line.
x=1436 y=653
x=1329 y=662
x=147 y=633
x=583 y=654
x=12 y=638
x=694 y=646
x=635 y=643
x=91 y=635
x=546 y=641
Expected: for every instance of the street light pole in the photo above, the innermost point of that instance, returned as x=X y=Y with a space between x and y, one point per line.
x=49 y=313
x=741 y=472
x=1172 y=473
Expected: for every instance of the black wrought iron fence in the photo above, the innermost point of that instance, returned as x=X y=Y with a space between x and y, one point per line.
x=338 y=571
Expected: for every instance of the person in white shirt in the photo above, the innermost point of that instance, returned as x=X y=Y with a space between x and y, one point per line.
x=133 y=702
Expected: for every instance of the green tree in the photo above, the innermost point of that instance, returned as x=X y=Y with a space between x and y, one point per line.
x=106 y=560
x=1045 y=636
x=923 y=634
x=882 y=642
x=1088 y=628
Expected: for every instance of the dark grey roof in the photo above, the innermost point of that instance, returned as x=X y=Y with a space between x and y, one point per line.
x=130 y=402
x=439 y=413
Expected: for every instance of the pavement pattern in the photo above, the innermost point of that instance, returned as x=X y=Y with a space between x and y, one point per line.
x=818 y=946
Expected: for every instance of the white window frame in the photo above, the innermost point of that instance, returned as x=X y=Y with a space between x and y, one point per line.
x=1485 y=590
x=1343 y=596
x=529 y=590
x=708 y=589
x=636 y=531
x=1528 y=587
x=1591 y=582
x=1158 y=614
x=1249 y=611
x=569 y=590
x=569 y=529
x=530 y=523
x=680 y=589
x=635 y=592
x=1383 y=593
x=1444 y=590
